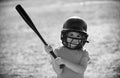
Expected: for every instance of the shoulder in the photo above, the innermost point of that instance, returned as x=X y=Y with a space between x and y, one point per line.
x=60 y=48
x=57 y=50
x=86 y=54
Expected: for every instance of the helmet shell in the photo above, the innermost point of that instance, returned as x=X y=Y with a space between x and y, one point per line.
x=75 y=24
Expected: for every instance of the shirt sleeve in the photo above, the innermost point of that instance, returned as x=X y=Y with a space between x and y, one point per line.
x=85 y=59
x=86 y=55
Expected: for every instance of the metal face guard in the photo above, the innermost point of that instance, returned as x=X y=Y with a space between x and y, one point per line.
x=73 y=42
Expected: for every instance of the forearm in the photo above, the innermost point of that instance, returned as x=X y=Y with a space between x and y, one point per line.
x=74 y=67
x=56 y=67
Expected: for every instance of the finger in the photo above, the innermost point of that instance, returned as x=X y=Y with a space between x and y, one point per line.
x=49 y=46
x=46 y=47
x=58 y=59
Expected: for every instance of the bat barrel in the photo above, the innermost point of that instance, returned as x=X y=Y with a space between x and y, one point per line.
x=29 y=21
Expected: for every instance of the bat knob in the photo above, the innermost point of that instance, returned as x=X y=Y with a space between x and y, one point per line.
x=62 y=66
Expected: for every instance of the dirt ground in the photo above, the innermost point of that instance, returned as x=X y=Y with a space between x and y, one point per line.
x=22 y=53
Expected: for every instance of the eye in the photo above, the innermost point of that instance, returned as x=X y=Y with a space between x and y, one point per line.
x=71 y=34
x=78 y=35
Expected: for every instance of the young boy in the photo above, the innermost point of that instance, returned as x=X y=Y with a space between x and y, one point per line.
x=71 y=54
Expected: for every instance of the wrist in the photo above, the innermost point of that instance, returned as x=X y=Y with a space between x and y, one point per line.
x=63 y=61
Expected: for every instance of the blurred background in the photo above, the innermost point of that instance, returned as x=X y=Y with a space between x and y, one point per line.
x=22 y=53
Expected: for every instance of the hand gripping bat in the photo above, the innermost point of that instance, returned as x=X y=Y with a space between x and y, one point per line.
x=27 y=19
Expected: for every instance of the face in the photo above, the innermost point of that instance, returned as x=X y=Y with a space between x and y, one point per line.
x=73 y=39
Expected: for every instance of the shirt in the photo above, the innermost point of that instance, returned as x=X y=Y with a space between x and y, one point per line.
x=74 y=56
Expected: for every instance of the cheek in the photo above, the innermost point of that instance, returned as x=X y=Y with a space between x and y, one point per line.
x=69 y=39
x=79 y=41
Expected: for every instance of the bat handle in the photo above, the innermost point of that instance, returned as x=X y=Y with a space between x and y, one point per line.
x=51 y=52
x=62 y=66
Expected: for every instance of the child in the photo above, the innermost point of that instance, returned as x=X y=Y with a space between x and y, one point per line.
x=71 y=54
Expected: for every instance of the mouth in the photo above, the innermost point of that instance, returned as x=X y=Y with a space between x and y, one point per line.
x=72 y=45
x=73 y=42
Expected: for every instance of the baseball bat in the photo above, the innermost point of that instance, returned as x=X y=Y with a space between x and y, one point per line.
x=27 y=19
